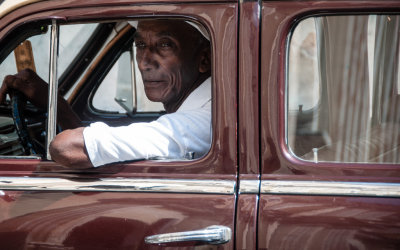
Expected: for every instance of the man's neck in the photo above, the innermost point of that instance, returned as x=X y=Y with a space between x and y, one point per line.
x=173 y=107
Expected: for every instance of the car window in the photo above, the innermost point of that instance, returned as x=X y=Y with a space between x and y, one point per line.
x=304 y=67
x=40 y=48
x=108 y=89
x=11 y=145
x=72 y=38
x=343 y=95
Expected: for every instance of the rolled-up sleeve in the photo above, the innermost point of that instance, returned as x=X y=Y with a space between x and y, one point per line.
x=171 y=136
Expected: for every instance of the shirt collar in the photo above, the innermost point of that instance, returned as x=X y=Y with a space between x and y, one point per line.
x=198 y=98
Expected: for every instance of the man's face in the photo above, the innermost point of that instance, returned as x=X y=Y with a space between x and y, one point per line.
x=167 y=56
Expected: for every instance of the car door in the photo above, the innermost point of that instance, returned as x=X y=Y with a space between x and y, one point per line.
x=46 y=206
x=329 y=125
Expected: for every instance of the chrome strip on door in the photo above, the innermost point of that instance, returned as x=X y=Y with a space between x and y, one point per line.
x=118 y=185
x=201 y=186
x=249 y=186
x=330 y=188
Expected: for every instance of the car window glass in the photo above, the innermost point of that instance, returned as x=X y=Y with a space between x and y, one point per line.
x=72 y=38
x=304 y=67
x=343 y=99
x=40 y=48
x=10 y=141
x=106 y=96
x=8 y=66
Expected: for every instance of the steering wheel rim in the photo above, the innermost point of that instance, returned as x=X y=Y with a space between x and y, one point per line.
x=18 y=103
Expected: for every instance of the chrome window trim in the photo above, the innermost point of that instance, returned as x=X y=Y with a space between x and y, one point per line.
x=286 y=85
x=53 y=87
x=374 y=189
x=118 y=185
x=249 y=186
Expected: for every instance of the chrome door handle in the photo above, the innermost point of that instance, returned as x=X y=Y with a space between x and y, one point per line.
x=212 y=235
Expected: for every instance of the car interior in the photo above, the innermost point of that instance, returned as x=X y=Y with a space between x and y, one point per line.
x=97 y=75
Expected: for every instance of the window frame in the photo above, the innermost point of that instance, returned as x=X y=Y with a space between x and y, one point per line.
x=276 y=158
x=311 y=112
x=224 y=105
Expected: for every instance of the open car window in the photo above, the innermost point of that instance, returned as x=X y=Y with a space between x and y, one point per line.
x=97 y=74
x=72 y=38
x=30 y=50
x=343 y=99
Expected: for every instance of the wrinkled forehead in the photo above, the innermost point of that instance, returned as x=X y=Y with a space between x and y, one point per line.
x=170 y=26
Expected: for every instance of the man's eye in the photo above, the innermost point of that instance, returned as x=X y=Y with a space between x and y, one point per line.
x=140 y=45
x=165 y=45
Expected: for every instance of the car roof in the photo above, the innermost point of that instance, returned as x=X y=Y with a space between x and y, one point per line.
x=7 y=6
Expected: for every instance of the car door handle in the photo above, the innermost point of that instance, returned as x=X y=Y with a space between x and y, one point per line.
x=212 y=235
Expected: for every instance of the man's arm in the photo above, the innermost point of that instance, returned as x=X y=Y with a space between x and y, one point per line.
x=68 y=149
x=36 y=91
x=66 y=117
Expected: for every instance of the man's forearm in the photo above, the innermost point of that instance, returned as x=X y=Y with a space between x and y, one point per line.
x=66 y=117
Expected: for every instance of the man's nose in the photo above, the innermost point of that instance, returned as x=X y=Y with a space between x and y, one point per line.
x=146 y=60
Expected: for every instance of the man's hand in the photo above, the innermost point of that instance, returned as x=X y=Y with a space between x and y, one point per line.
x=35 y=89
x=29 y=84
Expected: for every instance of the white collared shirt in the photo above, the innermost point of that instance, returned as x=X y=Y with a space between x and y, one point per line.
x=172 y=136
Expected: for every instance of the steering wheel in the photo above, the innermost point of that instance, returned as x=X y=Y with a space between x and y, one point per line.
x=29 y=123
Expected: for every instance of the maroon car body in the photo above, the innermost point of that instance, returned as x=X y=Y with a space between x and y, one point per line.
x=249 y=181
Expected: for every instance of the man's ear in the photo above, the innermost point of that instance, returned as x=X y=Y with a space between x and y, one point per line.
x=205 y=60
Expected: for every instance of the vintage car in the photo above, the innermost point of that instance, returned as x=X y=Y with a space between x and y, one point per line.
x=305 y=128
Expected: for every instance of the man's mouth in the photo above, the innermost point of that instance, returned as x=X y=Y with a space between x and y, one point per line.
x=150 y=83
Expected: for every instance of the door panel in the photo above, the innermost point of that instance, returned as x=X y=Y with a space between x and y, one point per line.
x=99 y=220
x=121 y=212
x=246 y=222
x=314 y=202
x=334 y=222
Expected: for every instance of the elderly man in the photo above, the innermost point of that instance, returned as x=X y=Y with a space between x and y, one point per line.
x=174 y=60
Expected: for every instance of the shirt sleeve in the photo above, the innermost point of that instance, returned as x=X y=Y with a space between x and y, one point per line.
x=171 y=136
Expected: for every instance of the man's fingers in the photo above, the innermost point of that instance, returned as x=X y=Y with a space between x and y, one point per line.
x=3 y=93
x=5 y=87
x=29 y=84
x=26 y=74
x=10 y=82
x=15 y=82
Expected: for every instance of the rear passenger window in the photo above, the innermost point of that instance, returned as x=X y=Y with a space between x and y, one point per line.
x=343 y=89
